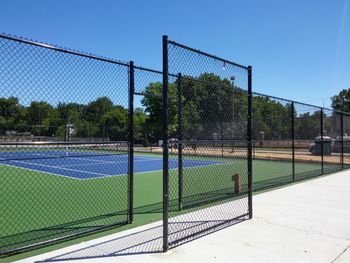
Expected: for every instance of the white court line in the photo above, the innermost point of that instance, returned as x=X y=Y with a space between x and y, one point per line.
x=58 y=167
x=85 y=159
x=87 y=164
x=102 y=161
x=170 y=169
x=71 y=177
x=39 y=171
x=102 y=175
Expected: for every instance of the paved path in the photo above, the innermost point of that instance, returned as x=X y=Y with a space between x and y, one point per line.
x=306 y=222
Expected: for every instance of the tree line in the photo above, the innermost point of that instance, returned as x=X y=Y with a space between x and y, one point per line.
x=211 y=109
x=99 y=118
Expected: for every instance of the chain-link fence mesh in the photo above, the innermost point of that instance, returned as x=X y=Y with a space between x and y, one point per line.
x=148 y=141
x=332 y=140
x=74 y=127
x=308 y=142
x=208 y=176
x=273 y=144
x=64 y=144
x=346 y=140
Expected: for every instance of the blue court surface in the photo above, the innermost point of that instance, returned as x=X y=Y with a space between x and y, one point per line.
x=89 y=167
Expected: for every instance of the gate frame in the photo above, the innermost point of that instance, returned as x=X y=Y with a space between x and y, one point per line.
x=165 y=146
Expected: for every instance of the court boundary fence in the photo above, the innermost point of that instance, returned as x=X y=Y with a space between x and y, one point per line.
x=10 y=246
x=314 y=134
x=247 y=143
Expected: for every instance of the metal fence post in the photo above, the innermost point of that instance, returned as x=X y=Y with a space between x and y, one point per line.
x=165 y=146
x=180 y=144
x=293 y=142
x=249 y=138
x=342 y=139
x=322 y=140
x=131 y=140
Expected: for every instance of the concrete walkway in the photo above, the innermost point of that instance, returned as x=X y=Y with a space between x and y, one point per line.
x=305 y=222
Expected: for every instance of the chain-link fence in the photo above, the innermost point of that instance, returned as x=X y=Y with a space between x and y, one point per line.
x=74 y=128
x=295 y=141
x=272 y=141
x=148 y=142
x=345 y=143
x=206 y=182
x=64 y=146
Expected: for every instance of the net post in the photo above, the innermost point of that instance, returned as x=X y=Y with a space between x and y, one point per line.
x=180 y=145
x=131 y=140
x=165 y=145
x=321 y=123
x=249 y=140
x=293 y=141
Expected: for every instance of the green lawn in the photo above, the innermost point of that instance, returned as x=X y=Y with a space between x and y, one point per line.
x=37 y=206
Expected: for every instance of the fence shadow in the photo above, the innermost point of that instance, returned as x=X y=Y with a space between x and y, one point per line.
x=142 y=242
x=148 y=241
x=26 y=241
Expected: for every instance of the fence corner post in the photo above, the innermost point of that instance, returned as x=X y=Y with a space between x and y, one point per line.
x=131 y=140
x=165 y=145
x=249 y=141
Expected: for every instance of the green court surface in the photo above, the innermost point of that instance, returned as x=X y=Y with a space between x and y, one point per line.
x=39 y=206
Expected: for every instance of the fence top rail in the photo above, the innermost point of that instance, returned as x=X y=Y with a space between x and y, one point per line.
x=64 y=143
x=148 y=69
x=300 y=103
x=270 y=96
x=207 y=54
x=60 y=49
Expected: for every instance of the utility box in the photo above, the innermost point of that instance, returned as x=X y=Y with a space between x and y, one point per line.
x=316 y=147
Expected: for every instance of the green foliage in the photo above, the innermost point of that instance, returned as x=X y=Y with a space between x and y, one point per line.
x=342 y=99
x=211 y=105
x=271 y=117
x=153 y=108
x=114 y=123
x=145 y=142
x=99 y=118
x=140 y=119
x=11 y=114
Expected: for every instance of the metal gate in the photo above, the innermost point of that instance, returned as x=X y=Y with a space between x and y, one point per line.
x=207 y=177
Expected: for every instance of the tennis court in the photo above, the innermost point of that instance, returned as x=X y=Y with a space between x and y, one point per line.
x=47 y=186
x=87 y=164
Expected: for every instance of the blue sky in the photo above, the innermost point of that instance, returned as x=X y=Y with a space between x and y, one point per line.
x=298 y=49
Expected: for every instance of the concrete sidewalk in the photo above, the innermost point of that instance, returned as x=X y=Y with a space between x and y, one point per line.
x=305 y=222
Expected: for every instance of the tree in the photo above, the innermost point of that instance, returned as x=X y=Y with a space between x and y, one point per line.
x=94 y=113
x=115 y=123
x=140 y=119
x=271 y=117
x=208 y=107
x=342 y=97
x=43 y=118
x=72 y=113
x=308 y=125
x=11 y=114
x=154 y=109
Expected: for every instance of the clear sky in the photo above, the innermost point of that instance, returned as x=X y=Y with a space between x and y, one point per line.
x=298 y=49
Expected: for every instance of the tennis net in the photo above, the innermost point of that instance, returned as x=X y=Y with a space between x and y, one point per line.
x=46 y=150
